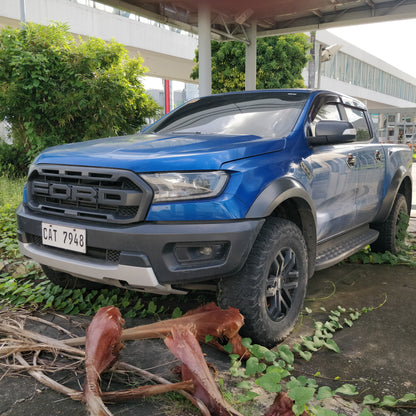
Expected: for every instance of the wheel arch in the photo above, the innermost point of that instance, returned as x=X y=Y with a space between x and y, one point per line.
x=400 y=183
x=286 y=198
x=406 y=190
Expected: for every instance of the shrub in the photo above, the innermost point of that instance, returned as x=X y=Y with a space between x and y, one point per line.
x=56 y=90
x=14 y=161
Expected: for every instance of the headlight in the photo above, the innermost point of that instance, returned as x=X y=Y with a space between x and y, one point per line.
x=176 y=186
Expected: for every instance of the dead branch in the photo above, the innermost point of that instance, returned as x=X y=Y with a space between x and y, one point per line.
x=49 y=323
x=47 y=381
x=145 y=391
x=16 y=331
x=145 y=374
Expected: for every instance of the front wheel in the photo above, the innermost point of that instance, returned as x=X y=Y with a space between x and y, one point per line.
x=271 y=288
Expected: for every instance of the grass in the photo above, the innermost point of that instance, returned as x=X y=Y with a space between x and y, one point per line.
x=11 y=191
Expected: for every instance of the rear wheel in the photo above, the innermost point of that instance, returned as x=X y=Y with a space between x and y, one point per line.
x=270 y=290
x=390 y=231
x=68 y=281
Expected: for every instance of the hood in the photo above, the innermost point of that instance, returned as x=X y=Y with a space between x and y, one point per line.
x=150 y=152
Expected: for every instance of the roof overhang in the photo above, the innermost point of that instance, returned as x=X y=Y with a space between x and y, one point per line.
x=230 y=18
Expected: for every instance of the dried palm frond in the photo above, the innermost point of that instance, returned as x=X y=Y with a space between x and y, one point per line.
x=222 y=325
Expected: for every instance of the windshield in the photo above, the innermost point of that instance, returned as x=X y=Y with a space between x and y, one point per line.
x=265 y=114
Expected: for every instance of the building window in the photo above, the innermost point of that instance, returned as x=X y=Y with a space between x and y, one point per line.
x=353 y=71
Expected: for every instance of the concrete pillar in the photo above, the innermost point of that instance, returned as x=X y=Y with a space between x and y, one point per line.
x=318 y=86
x=22 y=11
x=251 y=57
x=204 y=45
x=312 y=62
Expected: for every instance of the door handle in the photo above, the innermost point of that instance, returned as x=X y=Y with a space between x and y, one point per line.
x=351 y=160
x=378 y=156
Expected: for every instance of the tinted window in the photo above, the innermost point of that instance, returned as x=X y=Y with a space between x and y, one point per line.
x=357 y=118
x=328 y=112
x=262 y=114
x=325 y=112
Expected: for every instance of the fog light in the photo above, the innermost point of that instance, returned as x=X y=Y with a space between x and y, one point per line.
x=206 y=251
x=197 y=253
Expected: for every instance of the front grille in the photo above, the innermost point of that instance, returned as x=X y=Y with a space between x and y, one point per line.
x=90 y=194
x=109 y=256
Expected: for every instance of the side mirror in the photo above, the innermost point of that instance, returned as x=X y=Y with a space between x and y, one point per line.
x=332 y=132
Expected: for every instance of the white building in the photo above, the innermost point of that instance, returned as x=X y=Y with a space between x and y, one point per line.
x=389 y=93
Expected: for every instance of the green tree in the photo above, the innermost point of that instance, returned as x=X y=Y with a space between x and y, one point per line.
x=55 y=89
x=280 y=61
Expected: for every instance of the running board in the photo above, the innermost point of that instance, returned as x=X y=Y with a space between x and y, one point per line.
x=337 y=249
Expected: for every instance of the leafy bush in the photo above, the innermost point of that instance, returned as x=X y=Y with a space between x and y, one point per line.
x=13 y=160
x=8 y=240
x=56 y=90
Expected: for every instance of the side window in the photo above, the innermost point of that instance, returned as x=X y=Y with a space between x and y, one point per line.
x=357 y=118
x=326 y=112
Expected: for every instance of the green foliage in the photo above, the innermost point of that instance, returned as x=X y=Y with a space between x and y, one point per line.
x=407 y=255
x=8 y=225
x=56 y=90
x=11 y=191
x=280 y=61
x=14 y=160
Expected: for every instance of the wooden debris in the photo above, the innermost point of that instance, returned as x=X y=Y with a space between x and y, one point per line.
x=102 y=349
x=185 y=347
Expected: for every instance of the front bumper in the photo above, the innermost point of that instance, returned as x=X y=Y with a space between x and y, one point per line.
x=151 y=257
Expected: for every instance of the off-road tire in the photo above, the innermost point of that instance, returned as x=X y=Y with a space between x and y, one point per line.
x=68 y=281
x=388 y=237
x=270 y=289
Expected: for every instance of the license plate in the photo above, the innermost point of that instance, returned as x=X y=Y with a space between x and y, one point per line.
x=68 y=238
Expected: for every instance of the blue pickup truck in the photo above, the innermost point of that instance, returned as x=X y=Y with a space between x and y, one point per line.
x=248 y=193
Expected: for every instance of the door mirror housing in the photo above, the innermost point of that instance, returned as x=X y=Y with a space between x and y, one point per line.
x=332 y=132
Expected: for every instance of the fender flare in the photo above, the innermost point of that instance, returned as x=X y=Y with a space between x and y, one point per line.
x=275 y=193
x=388 y=201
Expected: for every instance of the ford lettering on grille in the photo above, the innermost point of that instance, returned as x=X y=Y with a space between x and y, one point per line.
x=105 y=195
x=115 y=197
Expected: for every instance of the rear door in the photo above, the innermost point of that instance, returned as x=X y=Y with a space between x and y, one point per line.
x=370 y=164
